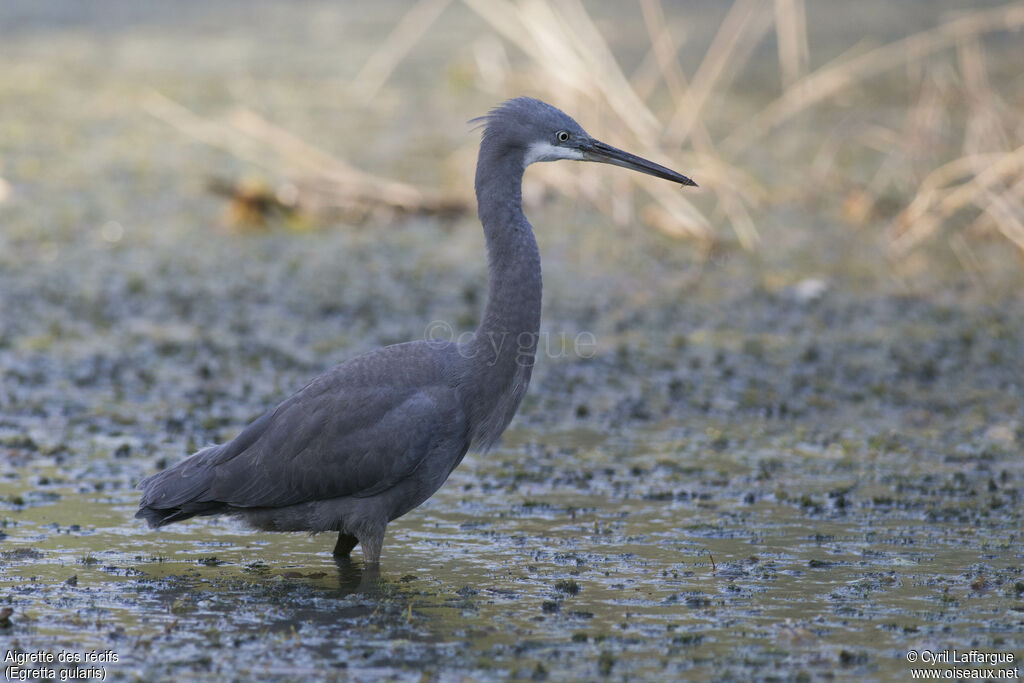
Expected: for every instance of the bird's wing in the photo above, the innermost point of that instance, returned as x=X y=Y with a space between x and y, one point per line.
x=341 y=435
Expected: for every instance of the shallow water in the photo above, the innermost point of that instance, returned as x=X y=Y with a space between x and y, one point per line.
x=570 y=554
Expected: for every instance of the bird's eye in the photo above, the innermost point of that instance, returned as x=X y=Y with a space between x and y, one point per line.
x=562 y=136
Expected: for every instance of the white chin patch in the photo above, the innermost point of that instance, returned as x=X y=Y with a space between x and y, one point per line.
x=544 y=151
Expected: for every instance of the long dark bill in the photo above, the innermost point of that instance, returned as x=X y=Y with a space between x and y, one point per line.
x=595 y=150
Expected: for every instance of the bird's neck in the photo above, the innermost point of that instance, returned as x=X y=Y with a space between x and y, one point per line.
x=503 y=349
x=514 y=295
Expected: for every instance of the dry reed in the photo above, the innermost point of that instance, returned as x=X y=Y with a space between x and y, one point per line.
x=953 y=164
x=319 y=183
x=571 y=64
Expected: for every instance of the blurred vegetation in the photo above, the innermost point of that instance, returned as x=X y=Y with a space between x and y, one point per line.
x=920 y=137
x=901 y=123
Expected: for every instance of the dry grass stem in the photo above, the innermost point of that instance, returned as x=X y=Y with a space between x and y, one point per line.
x=791 y=37
x=932 y=204
x=407 y=32
x=843 y=73
x=317 y=182
x=739 y=35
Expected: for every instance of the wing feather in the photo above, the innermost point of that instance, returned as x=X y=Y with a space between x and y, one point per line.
x=356 y=430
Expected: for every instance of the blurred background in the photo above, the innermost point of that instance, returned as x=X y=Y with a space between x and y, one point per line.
x=808 y=368
x=883 y=139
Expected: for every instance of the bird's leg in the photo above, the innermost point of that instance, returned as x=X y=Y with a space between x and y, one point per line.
x=371 y=544
x=344 y=545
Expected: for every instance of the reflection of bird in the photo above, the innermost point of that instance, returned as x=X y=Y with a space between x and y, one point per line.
x=374 y=437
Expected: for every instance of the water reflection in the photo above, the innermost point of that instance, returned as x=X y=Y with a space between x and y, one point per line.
x=355 y=577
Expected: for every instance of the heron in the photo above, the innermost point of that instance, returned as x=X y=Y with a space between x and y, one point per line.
x=376 y=436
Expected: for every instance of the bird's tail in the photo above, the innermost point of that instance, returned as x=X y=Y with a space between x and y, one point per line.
x=181 y=491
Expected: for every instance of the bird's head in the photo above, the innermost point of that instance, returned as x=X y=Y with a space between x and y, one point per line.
x=540 y=132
